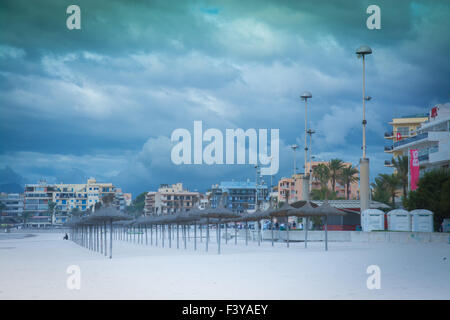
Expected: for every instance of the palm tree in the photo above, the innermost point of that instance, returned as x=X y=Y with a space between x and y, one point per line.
x=348 y=176
x=51 y=210
x=108 y=199
x=335 y=166
x=323 y=193
x=401 y=166
x=322 y=173
x=76 y=212
x=379 y=192
x=25 y=216
x=391 y=182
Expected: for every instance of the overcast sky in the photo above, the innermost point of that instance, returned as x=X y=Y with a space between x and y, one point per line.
x=103 y=101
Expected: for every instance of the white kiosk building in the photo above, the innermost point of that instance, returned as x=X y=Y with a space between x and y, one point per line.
x=422 y=220
x=372 y=219
x=399 y=220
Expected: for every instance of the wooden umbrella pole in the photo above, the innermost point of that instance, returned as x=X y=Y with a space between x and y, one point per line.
x=326 y=233
x=306 y=232
x=170 y=235
x=226 y=233
x=163 y=230
x=195 y=236
x=178 y=236
x=101 y=239
x=259 y=233
x=235 y=233
x=218 y=238
x=156 y=235
x=106 y=242
x=201 y=233
x=110 y=239
x=207 y=233
x=246 y=233
x=151 y=235
x=184 y=235
x=271 y=227
x=287 y=233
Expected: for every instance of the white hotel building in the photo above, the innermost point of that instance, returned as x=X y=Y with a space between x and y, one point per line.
x=432 y=141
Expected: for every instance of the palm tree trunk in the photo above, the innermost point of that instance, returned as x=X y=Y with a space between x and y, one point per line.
x=348 y=190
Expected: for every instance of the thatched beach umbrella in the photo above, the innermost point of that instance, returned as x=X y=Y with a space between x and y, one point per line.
x=185 y=219
x=220 y=213
x=196 y=214
x=108 y=214
x=283 y=211
x=256 y=216
x=306 y=210
x=327 y=210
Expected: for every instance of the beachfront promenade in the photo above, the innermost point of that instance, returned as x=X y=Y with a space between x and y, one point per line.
x=34 y=266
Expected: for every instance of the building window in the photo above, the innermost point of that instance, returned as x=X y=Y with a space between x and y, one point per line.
x=404 y=131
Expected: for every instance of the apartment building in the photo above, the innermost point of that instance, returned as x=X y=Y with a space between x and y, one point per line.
x=121 y=199
x=66 y=197
x=13 y=204
x=240 y=195
x=402 y=128
x=431 y=139
x=170 y=199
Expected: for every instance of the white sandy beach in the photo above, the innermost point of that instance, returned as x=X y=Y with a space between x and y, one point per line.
x=35 y=268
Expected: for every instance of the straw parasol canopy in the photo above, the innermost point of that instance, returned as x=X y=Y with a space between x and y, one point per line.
x=328 y=210
x=124 y=222
x=280 y=212
x=108 y=214
x=218 y=213
x=184 y=217
x=255 y=216
x=306 y=210
x=73 y=222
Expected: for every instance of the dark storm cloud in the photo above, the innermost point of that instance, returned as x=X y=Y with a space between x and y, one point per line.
x=103 y=100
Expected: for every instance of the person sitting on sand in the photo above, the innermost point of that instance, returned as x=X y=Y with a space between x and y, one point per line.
x=66 y=237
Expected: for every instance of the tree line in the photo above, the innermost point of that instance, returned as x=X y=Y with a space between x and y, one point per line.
x=334 y=171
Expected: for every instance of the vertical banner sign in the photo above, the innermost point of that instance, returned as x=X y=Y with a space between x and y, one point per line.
x=414 y=167
x=399 y=136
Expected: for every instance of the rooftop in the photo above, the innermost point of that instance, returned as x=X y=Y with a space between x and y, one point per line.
x=418 y=115
x=239 y=184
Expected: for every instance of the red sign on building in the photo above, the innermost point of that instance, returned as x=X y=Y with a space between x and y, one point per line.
x=399 y=136
x=434 y=112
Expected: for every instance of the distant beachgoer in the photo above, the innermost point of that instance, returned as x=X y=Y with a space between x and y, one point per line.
x=66 y=237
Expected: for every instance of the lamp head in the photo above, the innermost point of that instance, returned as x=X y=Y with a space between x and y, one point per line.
x=306 y=95
x=363 y=50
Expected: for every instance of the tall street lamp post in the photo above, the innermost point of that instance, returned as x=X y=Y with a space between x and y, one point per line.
x=256 y=187
x=305 y=183
x=364 y=162
x=294 y=147
x=310 y=132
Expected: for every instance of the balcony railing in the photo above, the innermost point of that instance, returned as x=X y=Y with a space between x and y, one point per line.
x=412 y=139
x=388 y=148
